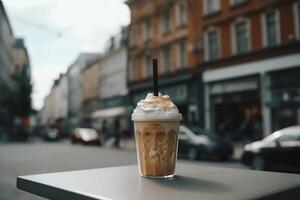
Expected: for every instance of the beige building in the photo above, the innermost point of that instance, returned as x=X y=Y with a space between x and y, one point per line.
x=74 y=75
x=90 y=88
x=50 y=112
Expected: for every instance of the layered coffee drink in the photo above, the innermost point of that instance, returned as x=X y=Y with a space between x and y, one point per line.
x=156 y=123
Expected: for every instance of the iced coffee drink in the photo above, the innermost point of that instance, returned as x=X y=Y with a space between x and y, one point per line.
x=156 y=123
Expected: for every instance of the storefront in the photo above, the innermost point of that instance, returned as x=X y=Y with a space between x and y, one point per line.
x=236 y=109
x=112 y=109
x=285 y=91
x=264 y=91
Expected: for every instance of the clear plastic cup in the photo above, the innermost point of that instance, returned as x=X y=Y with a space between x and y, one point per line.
x=157 y=143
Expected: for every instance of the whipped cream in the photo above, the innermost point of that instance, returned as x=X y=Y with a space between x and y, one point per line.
x=158 y=107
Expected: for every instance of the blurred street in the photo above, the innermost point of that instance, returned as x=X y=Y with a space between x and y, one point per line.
x=35 y=157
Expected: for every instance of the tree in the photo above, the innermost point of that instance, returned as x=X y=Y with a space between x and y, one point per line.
x=21 y=101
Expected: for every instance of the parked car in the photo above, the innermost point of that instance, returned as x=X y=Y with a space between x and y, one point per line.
x=196 y=145
x=86 y=136
x=279 y=151
x=51 y=134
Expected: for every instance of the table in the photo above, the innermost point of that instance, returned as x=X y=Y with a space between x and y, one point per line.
x=193 y=181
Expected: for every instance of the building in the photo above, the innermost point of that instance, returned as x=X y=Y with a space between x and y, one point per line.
x=74 y=82
x=7 y=42
x=251 y=65
x=114 y=72
x=43 y=115
x=15 y=81
x=55 y=110
x=114 y=100
x=63 y=95
x=168 y=30
x=51 y=110
x=90 y=87
x=224 y=62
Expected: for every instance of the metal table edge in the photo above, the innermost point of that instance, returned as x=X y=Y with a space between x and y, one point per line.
x=43 y=190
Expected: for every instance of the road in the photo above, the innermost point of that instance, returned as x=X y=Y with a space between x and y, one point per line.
x=36 y=157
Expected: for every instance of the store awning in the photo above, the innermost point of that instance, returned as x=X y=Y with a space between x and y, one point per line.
x=109 y=112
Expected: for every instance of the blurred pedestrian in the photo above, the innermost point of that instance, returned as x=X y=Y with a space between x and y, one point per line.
x=117 y=132
x=247 y=127
x=225 y=129
x=125 y=133
x=104 y=130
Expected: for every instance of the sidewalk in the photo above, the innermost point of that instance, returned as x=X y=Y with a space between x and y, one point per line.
x=128 y=144
x=237 y=151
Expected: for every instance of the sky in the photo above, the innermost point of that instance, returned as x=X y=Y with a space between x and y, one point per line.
x=56 y=31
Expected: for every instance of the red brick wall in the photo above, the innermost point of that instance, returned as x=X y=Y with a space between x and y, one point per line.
x=225 y=34
x=256 y=31
x=287 y=22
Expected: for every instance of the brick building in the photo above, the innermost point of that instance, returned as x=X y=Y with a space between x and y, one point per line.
x=251 y=64
x=226 y=63
x=167 y=30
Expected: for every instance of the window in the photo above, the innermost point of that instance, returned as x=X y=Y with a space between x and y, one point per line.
x=212 y=45
x=271 y=29
x=290 y=135
x=166 y=59
x=241 y=34
x=148 y=67
x=181 y=14
x=132 y=70
x=166 y=22
x=237 y=1
x=181 y=54
x=132 y=40
x=297 y=19
x=211 y=6
x=147 y=29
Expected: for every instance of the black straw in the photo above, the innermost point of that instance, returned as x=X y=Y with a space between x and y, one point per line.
x=155 y=79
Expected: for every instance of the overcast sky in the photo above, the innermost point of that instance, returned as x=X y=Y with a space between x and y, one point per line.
x=56 y=31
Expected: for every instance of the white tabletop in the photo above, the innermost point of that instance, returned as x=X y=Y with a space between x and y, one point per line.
x=191 y=182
